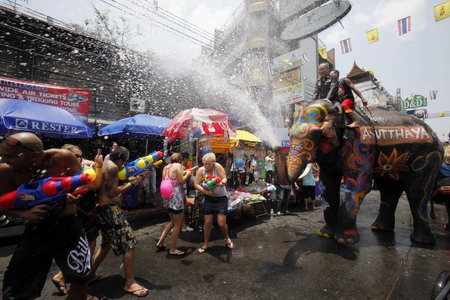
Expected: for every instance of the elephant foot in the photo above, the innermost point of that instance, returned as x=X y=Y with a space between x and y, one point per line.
x=347 y=237
x=382 y=225
x=326 y=232
x=422 y=236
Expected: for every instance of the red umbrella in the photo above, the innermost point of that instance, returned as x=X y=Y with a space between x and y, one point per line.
x=204 y=121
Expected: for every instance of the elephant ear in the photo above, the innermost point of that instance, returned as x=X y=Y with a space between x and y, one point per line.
x=330 y=129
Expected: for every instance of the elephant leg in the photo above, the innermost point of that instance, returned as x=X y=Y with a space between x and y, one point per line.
x=390 y=192
x=332 y=184
x=355 y=189
x=418 y=198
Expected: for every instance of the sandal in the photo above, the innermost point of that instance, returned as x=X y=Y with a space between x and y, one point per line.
x=139 y=292
x=202 y=250
x=229 y=245
x=177 y=253
x=160 y=247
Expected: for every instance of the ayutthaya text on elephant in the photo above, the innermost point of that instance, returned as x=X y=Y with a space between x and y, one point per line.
x=395 y=135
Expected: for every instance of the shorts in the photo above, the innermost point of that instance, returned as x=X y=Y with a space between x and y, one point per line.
x=62 y=240
x=348 y=105
x=116 y=230
x=309 y=192
x=90 y=228
x=215 y=205
x=175 y=211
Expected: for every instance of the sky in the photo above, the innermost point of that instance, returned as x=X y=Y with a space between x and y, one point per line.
x=416 y=62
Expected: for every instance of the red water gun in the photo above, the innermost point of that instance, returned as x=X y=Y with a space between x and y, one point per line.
x=50 y=191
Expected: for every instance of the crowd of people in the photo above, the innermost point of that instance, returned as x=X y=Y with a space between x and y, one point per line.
x=68 y=234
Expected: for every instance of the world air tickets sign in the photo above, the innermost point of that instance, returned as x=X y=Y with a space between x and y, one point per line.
x=414 y=101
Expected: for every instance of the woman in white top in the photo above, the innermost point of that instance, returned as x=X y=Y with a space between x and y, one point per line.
x=216 y=201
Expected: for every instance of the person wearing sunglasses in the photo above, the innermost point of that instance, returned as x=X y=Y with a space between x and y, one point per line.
x=47 y=236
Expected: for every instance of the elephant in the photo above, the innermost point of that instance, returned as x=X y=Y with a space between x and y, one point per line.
x=398 y=151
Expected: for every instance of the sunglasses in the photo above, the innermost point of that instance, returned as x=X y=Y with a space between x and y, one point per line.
x=9 y=140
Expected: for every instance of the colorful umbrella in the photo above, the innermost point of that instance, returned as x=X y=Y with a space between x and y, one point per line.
x=243 y=140
x=201 y=121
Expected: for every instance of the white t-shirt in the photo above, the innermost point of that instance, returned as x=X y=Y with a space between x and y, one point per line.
x=269 y=164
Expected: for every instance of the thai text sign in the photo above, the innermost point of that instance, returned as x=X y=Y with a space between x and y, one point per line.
x=287 y=61
x=286 y=79
x=74 y=100
x=290 y=94
x=414 y=101
x=316 y=20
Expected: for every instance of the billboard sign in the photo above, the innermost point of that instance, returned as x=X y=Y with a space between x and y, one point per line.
x=292 y=8
x=286 y=79
x=73 y=100
x=414 y=101
x=287 y=61
x=290 y=94
x=316 y=20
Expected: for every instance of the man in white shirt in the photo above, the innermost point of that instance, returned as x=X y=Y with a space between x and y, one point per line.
x=269 y=166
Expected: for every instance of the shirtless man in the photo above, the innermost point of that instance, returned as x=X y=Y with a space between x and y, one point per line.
x=122 y=240
x=47 y=236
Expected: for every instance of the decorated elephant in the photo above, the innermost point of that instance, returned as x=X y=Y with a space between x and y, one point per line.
x=399 y=151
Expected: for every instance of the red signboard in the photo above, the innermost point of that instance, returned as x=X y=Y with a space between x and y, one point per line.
x=75 y=101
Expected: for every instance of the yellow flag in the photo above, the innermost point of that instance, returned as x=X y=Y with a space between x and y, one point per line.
x=323 y=52
x=372 y=36
x=442 y=11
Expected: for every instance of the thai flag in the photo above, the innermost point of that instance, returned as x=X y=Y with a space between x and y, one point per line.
x=433 y=95
x=304 y=58
x=346 y=46
x=404 y=25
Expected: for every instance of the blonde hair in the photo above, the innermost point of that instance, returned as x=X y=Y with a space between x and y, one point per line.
x=176 y=158
x=209 y=157
x=70 y=147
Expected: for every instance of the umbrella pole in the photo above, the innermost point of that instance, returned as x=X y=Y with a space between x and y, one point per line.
x=146 y=147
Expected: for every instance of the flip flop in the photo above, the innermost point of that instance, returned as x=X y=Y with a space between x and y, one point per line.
x=98 y=278
x=229 y=245
x=136 y=292
x=162 y=247
x=60 y=286
x=178 y=253
x=202 y=250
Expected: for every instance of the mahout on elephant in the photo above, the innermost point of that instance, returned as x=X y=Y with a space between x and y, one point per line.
x=399 y=152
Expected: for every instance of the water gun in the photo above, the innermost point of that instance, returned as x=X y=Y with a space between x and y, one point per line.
x=191 y=169
x=211 y=182
x=50 y=191
x=141 y=164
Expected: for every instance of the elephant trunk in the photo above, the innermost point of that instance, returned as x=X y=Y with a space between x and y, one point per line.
x=287 y=174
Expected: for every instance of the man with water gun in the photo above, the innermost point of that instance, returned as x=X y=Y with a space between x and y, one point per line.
x=48 y=235
x=116 y=231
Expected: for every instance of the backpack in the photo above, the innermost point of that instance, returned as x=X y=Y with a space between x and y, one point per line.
x=166 y=187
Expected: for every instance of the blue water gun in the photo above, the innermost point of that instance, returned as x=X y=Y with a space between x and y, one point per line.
x=50 y=191
x=141 y=164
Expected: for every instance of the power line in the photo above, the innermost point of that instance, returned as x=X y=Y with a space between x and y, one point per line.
x=176 y=20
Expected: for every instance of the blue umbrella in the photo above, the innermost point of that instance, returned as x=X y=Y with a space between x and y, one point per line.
x=140 y=126
x=50 y=121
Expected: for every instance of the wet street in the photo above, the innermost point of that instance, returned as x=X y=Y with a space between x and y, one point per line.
x=281 y=258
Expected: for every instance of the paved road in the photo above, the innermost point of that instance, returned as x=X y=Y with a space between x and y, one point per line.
x=283 y=259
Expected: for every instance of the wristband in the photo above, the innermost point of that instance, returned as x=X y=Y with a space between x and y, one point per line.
x=98 y=165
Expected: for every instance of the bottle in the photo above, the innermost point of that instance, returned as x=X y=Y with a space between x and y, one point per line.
x=271 y=213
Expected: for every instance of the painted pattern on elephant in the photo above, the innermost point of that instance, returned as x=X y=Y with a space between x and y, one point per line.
x=399 y=151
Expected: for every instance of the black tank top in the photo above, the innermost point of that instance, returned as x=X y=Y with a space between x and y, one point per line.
x=344 y=91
